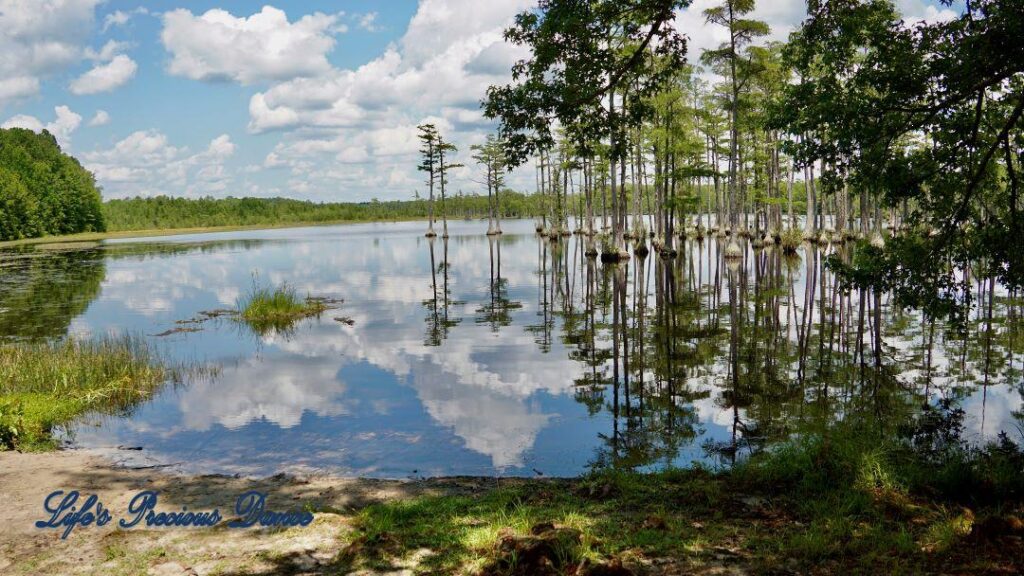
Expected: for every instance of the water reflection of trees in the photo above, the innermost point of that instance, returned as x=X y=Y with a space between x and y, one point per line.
x=764 y=348
x=440 y=318
x=497 y=310
x=41 y=293
x=42 y=289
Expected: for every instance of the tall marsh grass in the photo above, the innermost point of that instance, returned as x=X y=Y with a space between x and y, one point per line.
x=267 y=308
x=44 y=385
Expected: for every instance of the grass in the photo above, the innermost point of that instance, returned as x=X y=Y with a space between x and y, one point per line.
x=790 y=239
x=266 y=309
x=45 y=385
x=846 y=500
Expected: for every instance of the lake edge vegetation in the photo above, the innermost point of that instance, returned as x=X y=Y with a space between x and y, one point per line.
x=849 y=500
x=47 y=384
x=44 y=191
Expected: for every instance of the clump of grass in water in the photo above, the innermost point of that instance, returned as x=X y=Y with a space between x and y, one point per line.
x=790 y=240
x=266 y=309
x=44 y=385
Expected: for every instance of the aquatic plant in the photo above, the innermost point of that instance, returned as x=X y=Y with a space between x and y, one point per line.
x=267 y=309
x=790 y=239
x=44 y=385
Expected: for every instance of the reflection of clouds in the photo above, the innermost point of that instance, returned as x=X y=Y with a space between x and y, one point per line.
x=482 y=393
x=477 y=385
x=491 y=422
x=991 y=412
x=710 y=410
x=278 y=390
x=155 y=287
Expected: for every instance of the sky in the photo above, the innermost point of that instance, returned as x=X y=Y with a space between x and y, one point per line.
x=308 y=99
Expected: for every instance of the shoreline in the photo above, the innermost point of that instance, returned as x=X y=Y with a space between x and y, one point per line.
x=678 y=522
x=157 y=232
x=28 y=478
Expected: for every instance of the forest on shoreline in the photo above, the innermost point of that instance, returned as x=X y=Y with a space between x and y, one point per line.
x=44 y=191
x=163 y=212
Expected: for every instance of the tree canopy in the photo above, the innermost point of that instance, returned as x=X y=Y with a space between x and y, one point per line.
x=927 y=115
x=583 y=53
x=42 y=190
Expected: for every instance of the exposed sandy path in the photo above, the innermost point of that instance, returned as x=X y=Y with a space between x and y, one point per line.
x=26 y=480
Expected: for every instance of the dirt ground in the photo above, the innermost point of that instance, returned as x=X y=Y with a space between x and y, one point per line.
x=700 y=530
x=27 y=479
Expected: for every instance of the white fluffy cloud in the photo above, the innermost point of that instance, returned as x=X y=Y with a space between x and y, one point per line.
x=65 y=123
x=366 y=118
x=17 y=87
x=261 y=47
x=146 y=164
x=915 y=11
x=120 y=18
x=39 y=38
x=368 y=22
x=102 y=118
x=105 y=77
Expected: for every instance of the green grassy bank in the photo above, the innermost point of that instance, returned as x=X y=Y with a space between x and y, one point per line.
x=847 y=501
x=45 y=385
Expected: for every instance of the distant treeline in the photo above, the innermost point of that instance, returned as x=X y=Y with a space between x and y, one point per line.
x=165 y=212
x=42 y=190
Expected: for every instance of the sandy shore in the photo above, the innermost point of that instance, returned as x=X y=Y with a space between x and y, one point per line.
x=27 y=479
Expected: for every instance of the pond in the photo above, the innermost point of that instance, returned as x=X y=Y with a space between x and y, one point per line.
x=512 y=355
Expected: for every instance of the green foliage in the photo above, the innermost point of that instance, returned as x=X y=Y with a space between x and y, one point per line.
x=928 y=457
x=164 y=212
x=42 y=190
x=49 y=384
x=12 y=422
x=277 y=309
x=582 y=51
x=928 y=117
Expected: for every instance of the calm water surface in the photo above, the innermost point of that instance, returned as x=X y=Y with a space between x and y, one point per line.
x=509 y=356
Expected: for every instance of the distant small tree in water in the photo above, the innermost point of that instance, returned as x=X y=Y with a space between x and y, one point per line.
x=443 y=166
x=491 y=156
x=429 y=138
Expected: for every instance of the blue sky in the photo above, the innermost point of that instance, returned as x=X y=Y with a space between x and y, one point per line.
x=307 y=99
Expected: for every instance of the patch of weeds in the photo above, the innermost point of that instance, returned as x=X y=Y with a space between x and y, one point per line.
x=947 y=530
x=113 y=552
x=268 y=309
x=46 y=385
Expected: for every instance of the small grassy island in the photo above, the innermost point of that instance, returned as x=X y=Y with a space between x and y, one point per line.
x=266 y=309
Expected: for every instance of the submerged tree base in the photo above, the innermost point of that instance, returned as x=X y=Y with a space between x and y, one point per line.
x=733 y=250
